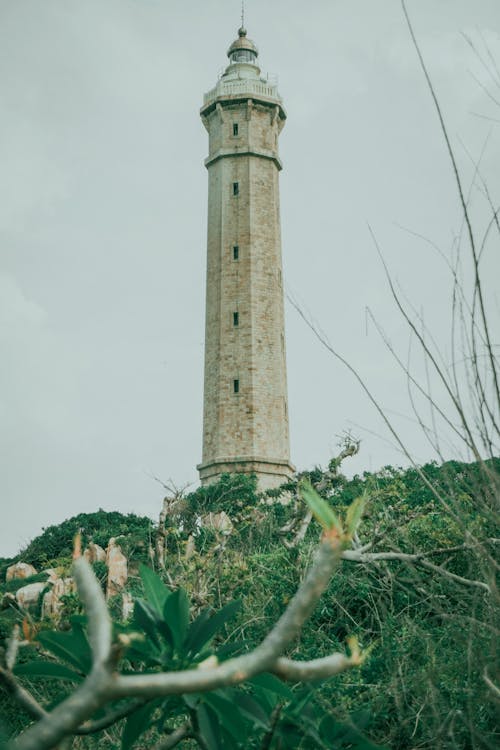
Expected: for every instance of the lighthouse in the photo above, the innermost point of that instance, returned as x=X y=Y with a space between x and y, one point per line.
x=245 y=417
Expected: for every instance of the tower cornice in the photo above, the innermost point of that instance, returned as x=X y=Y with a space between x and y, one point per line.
x=239 y=91
x=225 y=153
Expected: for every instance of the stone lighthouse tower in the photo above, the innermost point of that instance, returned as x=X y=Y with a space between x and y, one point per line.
x=245 y=421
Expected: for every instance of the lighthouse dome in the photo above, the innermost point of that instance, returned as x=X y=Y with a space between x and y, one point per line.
x=243 y=50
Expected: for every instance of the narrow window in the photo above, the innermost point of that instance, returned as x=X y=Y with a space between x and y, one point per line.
x=236 y=386
x=235 y=128
x=236 y=319
x=236 y=188
x=236 y=252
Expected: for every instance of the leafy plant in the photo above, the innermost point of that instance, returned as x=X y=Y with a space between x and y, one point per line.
x=161 y=637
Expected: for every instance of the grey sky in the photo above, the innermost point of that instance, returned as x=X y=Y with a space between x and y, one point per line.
x=103 y=226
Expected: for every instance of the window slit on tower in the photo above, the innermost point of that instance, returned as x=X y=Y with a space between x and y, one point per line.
x=236 y=188
x=235 y=128
x=236 y=252
x=236 y=386
x=236 y=319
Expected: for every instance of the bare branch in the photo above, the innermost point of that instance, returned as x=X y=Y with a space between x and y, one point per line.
x=301 y=532
x=173 y=739
x=19 y=694
x=99 y=621
x=465 y=210
x=494 y=688
x=416 y=559
x=316 y=669
x=22 y=697
x=273 y=721
x=110 y=718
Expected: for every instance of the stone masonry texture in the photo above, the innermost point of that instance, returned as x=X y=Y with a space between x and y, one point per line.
x=245 y=422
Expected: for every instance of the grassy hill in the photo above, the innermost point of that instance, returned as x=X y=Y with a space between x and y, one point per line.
x=432 y=632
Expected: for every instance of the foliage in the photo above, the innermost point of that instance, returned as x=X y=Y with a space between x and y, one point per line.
x=231 y=493
x=57 y=541
x=420 y=686
x=16 y=583
x=162 y=637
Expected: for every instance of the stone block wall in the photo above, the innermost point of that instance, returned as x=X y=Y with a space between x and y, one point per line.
x=245 y=426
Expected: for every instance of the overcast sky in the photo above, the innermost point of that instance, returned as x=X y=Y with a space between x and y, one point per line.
x=103 y=227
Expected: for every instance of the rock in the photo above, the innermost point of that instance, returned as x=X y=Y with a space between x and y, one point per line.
x=53 y=574
x=20 y=570
x=8 y=600
x=28 y=596
x=94 y=553
x=51 y=602
x=127 y=606
x=190 y=547
x=218 y=522
x=117 y=569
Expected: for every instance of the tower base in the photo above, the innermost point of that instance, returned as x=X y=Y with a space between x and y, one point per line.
x=270 y=473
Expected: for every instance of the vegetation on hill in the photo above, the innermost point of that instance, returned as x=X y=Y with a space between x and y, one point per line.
x=428 y=619
x=56 y=542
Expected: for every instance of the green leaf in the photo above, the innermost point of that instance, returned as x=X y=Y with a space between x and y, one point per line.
x=319 y=507
x=155 y=590
x=192 y=699
x=145 y=651
x=231 y=649
x=146 y=619
x=194 y=638
x=346 y=735
x=273 y=684
x=301 y=703
x=265 y=699
x=228 y=717
x=137 y=723
x=203 y=629
x=354 y=513
x=250 y=708
x=71 y=647
x=47 y=669
x=208 y=724
x=176 y=616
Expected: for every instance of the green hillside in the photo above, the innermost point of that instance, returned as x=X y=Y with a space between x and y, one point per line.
x=429 y=620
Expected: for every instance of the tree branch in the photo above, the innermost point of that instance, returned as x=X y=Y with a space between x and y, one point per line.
x=261 y=659
x=416 y=559
x=22 y=697
x=315 y=669
x=173 y=739
x=99 y=621
x=103 y=685
x=110 y=718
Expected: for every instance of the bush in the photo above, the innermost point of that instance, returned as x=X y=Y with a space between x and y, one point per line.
x=57 y=540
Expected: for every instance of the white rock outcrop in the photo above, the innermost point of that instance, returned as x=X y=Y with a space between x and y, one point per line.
x=28 y=596
x=53 y=574
x=94 y=553
x=117 y=569
x=127 y=605
x=51 y=602
x=8 y=599
x=20 y=570
x=218 y=522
